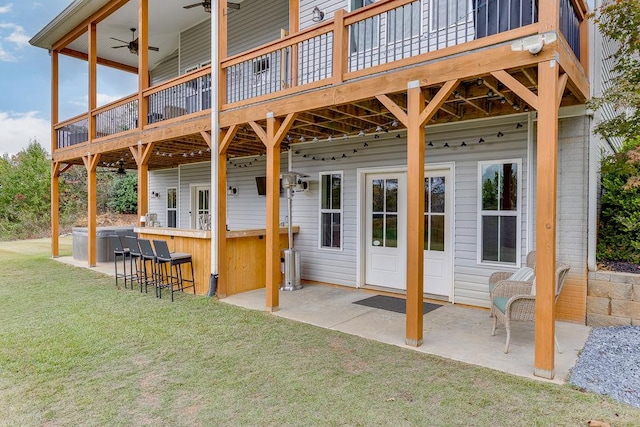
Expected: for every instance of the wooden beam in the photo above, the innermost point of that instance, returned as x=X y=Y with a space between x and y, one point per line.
x=518 y=88
x=96 y=18
x=55 y=72
x=416 y=119
x=91 y=163
x=395 y=109
x=549 y=16
x=262 y=135
x=340 y=46
x=93 y=77
x=55 y=209
x=141 y=154
x=562 y=84
x=226 y=138
x=546 y=192
x=437 y=101
x=143 y=61
x=223 y=274
x=207 y=138
x=273 y=274
x=101 y=61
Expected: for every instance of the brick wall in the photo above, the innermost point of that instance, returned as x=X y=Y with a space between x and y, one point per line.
x=613 y=299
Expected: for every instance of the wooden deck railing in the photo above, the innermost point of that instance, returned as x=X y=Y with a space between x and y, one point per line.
x=72 y=131
x=116 y=117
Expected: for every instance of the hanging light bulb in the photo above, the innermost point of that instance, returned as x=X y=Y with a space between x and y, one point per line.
x=394 y=123
x=315 y=139
x=378 y=128
x=361 y=133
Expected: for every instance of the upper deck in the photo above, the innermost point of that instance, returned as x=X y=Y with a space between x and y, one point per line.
x=331 y=70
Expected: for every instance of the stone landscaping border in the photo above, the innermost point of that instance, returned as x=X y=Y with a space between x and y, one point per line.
x=613 y=299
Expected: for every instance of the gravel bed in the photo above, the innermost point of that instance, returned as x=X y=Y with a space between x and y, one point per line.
x=610 y=364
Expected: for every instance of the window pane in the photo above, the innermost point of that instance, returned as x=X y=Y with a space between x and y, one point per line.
x=378 y=195
x=490 y=238
x=330 y=230
x=326 y=230
x=391 y=195
x=377 y=228
x=171 y=219
x=508 y=239
x=448 y=12
x=336 y=186
x=437 y=194
x=325 y=189
x=335 y=230
x=404 y=22
x=508 y=192
x=427 y=191
x=490 y=185
x=171 y=198
x=391 y=236
x=437 y=233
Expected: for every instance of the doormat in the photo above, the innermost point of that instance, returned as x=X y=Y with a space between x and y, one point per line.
x=398 y=305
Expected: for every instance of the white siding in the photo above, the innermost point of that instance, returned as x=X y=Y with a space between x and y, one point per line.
x=247 y=209
x=191 y=174
x=165 y=70
x=256 y=22
x=195 y=45
x=159 y=181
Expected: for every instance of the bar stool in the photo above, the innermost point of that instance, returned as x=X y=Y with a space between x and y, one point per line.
x=147 y=256
x=131 y=242
x=173 y=277
x=120 y=251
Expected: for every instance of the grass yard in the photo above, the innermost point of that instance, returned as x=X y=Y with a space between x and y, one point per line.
x=77 y=351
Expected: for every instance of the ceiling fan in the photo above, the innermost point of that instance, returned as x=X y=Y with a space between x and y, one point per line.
x=133 y=44
x=207 y=6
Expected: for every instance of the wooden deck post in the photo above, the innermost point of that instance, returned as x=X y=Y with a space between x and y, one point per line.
x=546 y=190
x=415 y=214
x=91 y=163
x=275 y=133
x=225 y=141
x=55 y=209
x=143 y=62
x=141 y=154
x=93 y=88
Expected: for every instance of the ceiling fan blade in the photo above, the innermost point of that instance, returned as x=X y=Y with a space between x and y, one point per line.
x=118 y=40
x=118 y=47
x=192 y=5
x=234 y=6
x=155 y=49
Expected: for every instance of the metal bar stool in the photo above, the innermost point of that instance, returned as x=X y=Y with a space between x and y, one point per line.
x=147 y=256
x=173 y=277
x=120 y=251
x=131 y=242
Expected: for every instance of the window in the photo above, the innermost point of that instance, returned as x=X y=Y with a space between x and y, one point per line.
x=172 y=207
x=404 y=22
x=331 y=210
x=434 y=212
x=499 y=206
x=445 y=13
x=365 y=34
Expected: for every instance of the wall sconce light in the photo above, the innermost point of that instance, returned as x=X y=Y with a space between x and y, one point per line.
x=232 y=191
x=155 y=195
x=318 y=15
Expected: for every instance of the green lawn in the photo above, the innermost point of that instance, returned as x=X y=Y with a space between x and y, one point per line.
x=74 y=350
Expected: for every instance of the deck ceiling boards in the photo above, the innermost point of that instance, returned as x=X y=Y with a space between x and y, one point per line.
x=166 y=20
x=482 y=96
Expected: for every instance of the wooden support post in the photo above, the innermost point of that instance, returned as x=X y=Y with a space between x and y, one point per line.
x=55 y=209
x=415 y=119
x=91 y=163
x=415 y=215
x=143 y=62
x=141 y=154
x=225 y=141
x=272 y=137
x=294 y=28
x=546 y=190
x=54 y=99
x=222 y=52
x=549 y=16
x=93 y=70
x=340 y=46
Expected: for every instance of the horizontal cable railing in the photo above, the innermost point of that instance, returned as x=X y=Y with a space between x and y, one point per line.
x=118 y=117
x=73 y=132
x=570 y=25
x=179 y=97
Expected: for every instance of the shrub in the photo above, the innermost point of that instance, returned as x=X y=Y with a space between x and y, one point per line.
x=124 y=194
x=619 y=231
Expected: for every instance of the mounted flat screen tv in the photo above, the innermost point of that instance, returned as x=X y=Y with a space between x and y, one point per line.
x=261 y=184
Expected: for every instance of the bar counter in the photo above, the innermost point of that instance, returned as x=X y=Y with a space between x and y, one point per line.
x=246 y=255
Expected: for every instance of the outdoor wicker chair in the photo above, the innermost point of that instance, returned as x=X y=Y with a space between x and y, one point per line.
x=505 y=275
x=515 y=301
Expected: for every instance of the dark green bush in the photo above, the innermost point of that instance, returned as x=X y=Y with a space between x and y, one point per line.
x=124 y=194
x=619 y=231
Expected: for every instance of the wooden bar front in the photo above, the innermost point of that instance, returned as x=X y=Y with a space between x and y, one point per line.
x=246 y=254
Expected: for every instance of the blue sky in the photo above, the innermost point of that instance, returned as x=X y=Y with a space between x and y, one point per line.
x=25 y=77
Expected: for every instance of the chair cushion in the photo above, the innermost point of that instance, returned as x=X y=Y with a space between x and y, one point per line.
x=525 y=274
x=501 y=303
x=533 y=287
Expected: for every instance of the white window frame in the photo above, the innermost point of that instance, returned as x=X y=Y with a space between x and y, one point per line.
x=172 y=209
x=446 y=26
x=378 y=39
x=517 y=213
x=323 y=211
